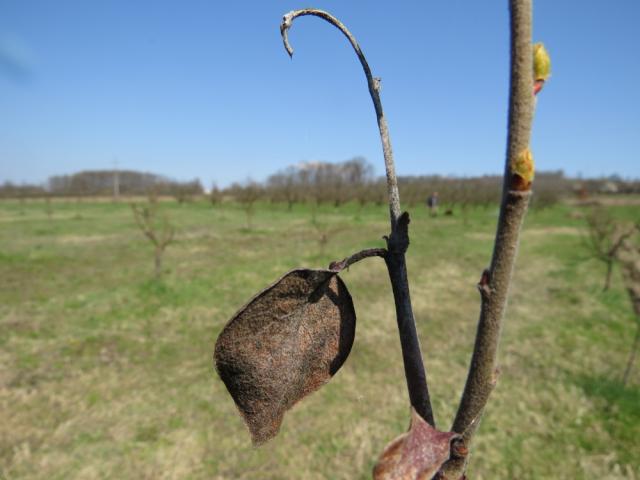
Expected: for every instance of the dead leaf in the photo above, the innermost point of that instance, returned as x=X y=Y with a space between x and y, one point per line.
x=415 y=455
x=289 y=340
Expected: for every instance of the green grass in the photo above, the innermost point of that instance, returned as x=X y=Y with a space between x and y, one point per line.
x=107 y=373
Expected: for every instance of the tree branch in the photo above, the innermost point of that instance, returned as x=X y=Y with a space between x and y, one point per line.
x=617 y=243
x=398 y=240
x=142 y=220
x=356 y=257
x=168 y=232
x=374 y=91
x=414 y=371
x=494 y=284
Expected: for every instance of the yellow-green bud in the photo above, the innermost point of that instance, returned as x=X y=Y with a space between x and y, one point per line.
x=522 y=170
x=541 y=62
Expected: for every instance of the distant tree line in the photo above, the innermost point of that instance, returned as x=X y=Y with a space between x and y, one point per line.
x=354 y=181
x=323 y=183
x=11 y=190
x=105 y=182
x=129 y=182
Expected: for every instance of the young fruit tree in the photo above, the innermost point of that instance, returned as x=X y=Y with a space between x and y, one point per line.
x=156 y=228
x=605 y=239
x=293 y=336
x=629 y=257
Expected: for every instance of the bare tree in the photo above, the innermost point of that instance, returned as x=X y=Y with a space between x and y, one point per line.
x=605 y=237
x=283 y=186
x=310 y=336
x=353 y=180
x=156 y=227
x=215 y=196
x=248 y=195
x=629 y=255
x=324 y=233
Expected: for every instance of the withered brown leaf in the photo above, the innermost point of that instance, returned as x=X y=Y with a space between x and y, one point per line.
x=289 y=340
x=415 y=455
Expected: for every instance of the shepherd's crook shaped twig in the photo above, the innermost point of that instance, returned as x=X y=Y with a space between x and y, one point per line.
x=398 y=241
x=374 y=90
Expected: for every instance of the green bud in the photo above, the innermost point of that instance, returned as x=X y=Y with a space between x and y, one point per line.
x=522 y=170
x=541 y=62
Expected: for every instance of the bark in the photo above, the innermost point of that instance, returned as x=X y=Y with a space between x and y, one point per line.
x=411 y=353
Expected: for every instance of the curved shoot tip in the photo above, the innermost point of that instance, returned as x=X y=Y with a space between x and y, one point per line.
x=287 y=20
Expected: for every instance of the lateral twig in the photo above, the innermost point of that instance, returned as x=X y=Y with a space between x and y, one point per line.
x=356 y=257
x=398 y=240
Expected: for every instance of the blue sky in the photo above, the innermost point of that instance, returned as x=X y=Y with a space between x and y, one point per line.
x=204 y=89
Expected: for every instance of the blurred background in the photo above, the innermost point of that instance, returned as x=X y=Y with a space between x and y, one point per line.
x=161 y=162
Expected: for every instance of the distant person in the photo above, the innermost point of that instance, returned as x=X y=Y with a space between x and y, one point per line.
x=432 y=203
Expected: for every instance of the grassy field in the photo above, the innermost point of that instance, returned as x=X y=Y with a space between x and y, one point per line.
x=106 y=373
